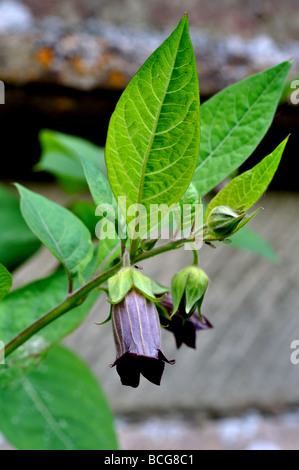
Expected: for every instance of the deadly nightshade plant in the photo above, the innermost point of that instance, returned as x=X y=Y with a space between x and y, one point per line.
x=161 y=155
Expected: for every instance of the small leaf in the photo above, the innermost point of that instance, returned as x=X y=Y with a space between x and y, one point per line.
x=97 y=182
x=153 y=137
x=245 y=190
x=58 y=406
x=57 y=228
x=233 y=122
x=5 y=282
x=60 y=157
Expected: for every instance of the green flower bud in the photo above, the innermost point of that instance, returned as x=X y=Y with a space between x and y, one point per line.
x=188 y=288
x=223 y=221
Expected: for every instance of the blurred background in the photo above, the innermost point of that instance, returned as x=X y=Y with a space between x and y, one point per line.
x=64 y=65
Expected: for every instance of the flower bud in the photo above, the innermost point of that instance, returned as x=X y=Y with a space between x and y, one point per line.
x=188 y=288
x=137 y=335
x=223 y=221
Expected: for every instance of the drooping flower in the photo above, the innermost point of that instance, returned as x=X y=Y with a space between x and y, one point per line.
x=137 y=335
x=136 y=330
x=184 y=330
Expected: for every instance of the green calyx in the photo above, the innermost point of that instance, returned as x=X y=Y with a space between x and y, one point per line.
x=223 y=221
x=188 y=288
x=128 y=278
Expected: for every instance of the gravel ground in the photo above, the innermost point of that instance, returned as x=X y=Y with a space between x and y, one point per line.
x=251 y=431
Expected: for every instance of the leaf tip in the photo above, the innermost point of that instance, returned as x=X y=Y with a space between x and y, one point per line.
x=18 y=186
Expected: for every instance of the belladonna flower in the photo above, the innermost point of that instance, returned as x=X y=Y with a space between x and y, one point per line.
x=137 y=335
x=184 y=330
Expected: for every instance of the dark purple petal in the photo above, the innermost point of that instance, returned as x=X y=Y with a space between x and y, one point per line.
x=185 y=331
x=199 y=324
x=152 y=369
x=128 y=369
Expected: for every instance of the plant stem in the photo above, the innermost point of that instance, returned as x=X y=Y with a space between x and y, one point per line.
x=173 y=245
x=77 y=297
x=195 y=258
x=72 y=301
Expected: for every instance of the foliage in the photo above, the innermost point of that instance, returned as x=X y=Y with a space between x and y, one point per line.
x=161 y=150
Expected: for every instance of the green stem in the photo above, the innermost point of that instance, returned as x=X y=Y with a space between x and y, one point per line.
x=77 y=297
x=173 y=245
x=195 y=258
x=72 y=301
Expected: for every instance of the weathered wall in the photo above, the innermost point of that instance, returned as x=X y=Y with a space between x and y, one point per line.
x=76 y=44
x=247 y=18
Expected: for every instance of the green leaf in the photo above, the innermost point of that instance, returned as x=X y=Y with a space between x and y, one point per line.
x=17 y=242
x=60 y=157
x=98 y=184
x=233 y=122
x=245 y=190
x=153 y=137
x=247 y=239
x=26 y=305
x=5 y=282
x=58 y=406
x=191 y=196
x=57 y=228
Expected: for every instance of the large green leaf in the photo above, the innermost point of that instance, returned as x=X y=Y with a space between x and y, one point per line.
x=60 y=157
x=153 y=137
x=60 y=230
x=5 y=282
x=233 y=122
x=17 y=242
x=245 y=190
x=58 y=406
x=26 y=305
